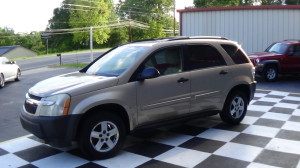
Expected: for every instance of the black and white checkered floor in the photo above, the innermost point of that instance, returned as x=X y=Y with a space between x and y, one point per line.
x=268 y=137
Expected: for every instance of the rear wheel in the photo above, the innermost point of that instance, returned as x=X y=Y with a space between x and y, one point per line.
x=18 y=75
x=102 y=135
x=2 y=81
x=270 y=73
x=235 y=108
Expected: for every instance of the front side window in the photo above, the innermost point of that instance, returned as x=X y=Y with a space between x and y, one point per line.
x=295 y=50
x=166 y=61
x=235 y=53
x=204 y=56
x=278 y=48
x=117 y=61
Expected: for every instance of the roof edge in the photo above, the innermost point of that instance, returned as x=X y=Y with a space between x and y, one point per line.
x=263 y=7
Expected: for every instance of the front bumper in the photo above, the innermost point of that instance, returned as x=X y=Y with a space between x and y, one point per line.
x=58 y=131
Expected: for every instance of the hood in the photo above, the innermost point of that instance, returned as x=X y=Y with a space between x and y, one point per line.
x=73 y=83
x=263 y=54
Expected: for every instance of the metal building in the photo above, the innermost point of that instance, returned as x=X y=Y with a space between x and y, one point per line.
x=254 y=27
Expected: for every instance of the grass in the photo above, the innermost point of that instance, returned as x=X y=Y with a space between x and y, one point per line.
x=74 y=65
x=69 y=52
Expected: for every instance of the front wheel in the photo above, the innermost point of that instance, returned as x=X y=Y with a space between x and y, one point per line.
x=235 y=108
x=270 y=73
x=101 y=135
x=2 y=81
x=18 y=75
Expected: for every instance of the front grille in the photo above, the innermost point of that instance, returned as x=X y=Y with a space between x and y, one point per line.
x=31 y=108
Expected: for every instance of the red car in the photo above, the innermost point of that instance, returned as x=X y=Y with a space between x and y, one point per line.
x=279 y=58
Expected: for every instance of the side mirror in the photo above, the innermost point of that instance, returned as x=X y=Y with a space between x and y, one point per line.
x=148 y=73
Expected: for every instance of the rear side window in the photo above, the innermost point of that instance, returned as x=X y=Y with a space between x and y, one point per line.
x=235 y=53
x=204 y=56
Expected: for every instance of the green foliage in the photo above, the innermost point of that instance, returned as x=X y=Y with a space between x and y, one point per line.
x=271 y=2
x=118 y=36
x=216 y=3
x=31 y=41
x=7 y=37
x=91 y=13
x=155 y=13
x=292 y=2
x=60 y=20
x=155 y=31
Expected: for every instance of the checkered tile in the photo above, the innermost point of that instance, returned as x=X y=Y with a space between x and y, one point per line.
x=268 y=137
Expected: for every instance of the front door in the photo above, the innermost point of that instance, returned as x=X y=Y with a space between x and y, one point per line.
x=168 y=95
x=291 y=62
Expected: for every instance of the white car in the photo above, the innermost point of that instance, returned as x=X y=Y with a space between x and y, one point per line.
x=9 y=71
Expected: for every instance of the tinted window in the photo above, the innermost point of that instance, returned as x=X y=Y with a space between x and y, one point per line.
x=294 y=50
x=236 y=54
x=203 y=56
x=167 y=61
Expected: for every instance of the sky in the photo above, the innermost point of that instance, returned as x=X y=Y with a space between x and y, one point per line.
x=25 y=16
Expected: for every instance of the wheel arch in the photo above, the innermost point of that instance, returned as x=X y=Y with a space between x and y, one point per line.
x=112 y=107
x=244 y=88
x=275 y=63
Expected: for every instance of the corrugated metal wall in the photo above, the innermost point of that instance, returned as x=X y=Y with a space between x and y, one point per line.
x=254 y=29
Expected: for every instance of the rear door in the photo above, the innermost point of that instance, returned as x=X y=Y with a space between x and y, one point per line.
x=168 y=95
x=209 y=74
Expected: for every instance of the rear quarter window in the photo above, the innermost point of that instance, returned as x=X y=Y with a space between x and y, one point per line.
x=235 y=53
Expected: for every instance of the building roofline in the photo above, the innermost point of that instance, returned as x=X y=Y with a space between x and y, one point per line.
x=11 y=48
x=263 y=7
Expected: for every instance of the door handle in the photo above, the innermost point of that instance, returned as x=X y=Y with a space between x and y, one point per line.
x=182 y=80
x=223 y=72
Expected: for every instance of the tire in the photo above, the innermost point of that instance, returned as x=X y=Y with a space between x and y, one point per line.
x=270 y=73
x=2 y=81
x=18 y=75
x=101 y=135
x=235 y=108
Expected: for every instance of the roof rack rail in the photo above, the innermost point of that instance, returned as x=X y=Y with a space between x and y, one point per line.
x=173 y=38
x=196 y=37
x=209 y=37
x=292 y=40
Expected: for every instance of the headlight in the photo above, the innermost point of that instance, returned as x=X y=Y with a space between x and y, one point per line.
x=56 y=105
x=257 y=60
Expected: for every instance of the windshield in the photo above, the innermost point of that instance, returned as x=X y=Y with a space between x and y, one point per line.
x=117 y=61
x=279 y=48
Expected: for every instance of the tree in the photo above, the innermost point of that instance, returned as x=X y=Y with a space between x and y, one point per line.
x=271 y=2
x=155 y=13
x=91 y=13
x=216 y=3
x=7 y=37
x=292 y=2
x=31 y=41
x=60 y=20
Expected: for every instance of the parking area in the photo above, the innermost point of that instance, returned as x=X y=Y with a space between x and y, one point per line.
x=269 y=136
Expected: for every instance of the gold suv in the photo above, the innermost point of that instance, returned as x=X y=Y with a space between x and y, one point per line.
x=140 y=85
